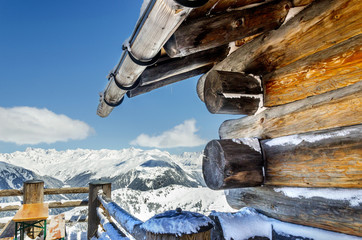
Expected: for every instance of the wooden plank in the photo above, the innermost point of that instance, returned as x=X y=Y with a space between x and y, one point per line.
x=319 y=26
x=10 y=192
x=10 y=208
x=70 y=190
x=342 y=107
x=232 y=93
x=328 y=158
x=56 y=227
x=8 y=230
x=210 y=32
x=327 y=70
x=334 y=215
x=32 y=211
x=66 y=204
x=164 y=82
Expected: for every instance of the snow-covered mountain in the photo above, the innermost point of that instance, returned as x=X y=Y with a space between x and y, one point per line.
x=143 y=182
x=133 y=168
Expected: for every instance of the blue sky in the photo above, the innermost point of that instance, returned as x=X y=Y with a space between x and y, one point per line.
x=54 y=59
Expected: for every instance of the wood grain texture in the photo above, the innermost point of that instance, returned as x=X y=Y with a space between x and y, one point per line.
x=319 y=26
x=217 y=6
x=70 y=190
x=327 y=70
x=233 y=163
x=334 y=215
x=33 y=191
x=93 y=204
x=210 y=32
x=167 y=81
x=10 y=192
x=146 y=41
x=32 y=212
x=232 y=93
x=342 y=107
x=328 y=158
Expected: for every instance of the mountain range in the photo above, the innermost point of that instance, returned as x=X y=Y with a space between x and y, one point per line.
x=144 y=182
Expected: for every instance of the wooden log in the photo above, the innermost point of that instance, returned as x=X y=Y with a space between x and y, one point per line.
x=70 y=190
x=319 y=26
x=33 y=191
x=10 y=192
x=233 y=163
x=93 y=204
x=342 y=107
x=313 y=210
x=164 y=82
x=327 y=70
x=8 y=231
x=176 y=66
x=217 y=6
x=328 y=158
x=232 y=93
x=210 y=32
x=173 y=70
x=9 y=208
x=155 y=26
x=71 y=203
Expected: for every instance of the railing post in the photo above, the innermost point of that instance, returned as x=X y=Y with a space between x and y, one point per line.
x=33 y=191
x=93 y=203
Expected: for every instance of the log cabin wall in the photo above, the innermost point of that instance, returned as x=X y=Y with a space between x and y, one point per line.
x=308 y=126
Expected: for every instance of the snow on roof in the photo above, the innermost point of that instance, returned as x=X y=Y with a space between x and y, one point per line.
x=177 y=222
x=248 y=223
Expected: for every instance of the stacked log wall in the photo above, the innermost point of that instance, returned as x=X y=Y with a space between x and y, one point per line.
x=311 y=76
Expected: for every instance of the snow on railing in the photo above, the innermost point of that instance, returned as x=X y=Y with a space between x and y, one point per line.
x=111 y=232
x=128 y=222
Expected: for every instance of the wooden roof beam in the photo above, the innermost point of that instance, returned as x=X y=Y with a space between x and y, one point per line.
x=157 y=23
x=209 y=32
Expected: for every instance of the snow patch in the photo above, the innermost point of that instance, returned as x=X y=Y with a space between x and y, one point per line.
x=253 y=143
x=176 y=223
x=354 y=196
x=311 y=138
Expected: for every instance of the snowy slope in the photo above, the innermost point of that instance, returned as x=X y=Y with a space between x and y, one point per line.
x=65 y=165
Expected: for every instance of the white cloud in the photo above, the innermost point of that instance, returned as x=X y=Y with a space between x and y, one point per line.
x=182 y=135
x=27 y=125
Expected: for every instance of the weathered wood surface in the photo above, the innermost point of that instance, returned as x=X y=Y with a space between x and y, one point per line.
x=33 y=191
x=175 y=66
x=164 y=82
x=334 y=215
x=209 y=32
x=233 y=163
x=93 y=204
x=70 y=203
x=153 y=30
x=232 y=93
x=327 y=70
x=172 y=70
x=342 y=107
x=70 y=190
x=10 y=192
x=216 y=6
x=329 y=158
x=319 y=26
